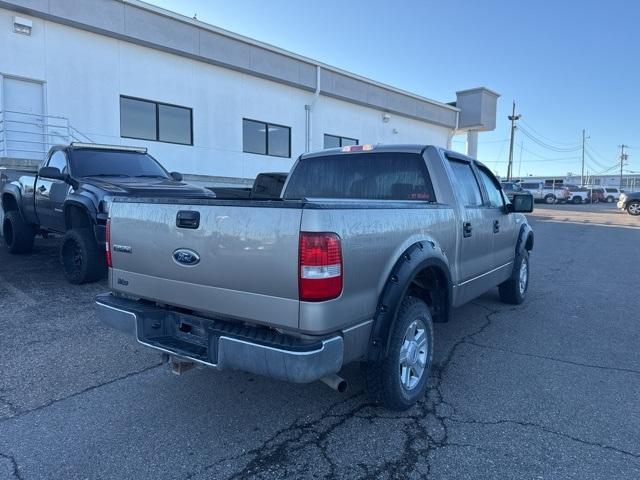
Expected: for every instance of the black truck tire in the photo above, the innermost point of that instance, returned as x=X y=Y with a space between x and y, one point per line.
x=82 y=259
x=514 y=290
x=18 y=235
x=384 y=378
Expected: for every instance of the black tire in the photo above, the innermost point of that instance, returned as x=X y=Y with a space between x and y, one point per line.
x=82 y=260
x=384 y=385
x=550 y=199
x=577 y=199
x=18 y=235
x=633 y=206
x=511 y=290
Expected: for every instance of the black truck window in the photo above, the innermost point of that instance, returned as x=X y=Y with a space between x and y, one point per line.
x=370 y=175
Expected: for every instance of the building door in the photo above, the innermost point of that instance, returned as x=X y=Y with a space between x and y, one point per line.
x=23 y=119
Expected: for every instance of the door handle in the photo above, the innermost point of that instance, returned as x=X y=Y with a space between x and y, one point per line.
x=496 y=226
x=466 y=229
x=188 y=219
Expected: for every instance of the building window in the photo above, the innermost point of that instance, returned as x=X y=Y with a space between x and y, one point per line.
x=266 y=138
x=159 y=122
x=334 y=141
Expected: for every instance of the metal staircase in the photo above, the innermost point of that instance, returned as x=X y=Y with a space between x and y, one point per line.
x=25 y=138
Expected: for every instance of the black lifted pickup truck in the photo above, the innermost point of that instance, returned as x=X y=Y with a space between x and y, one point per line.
x=71 y=194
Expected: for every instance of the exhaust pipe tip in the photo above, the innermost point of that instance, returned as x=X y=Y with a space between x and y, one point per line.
x=335 y=382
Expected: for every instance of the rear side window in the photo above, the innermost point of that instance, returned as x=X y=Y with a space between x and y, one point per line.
x=371 y=176
x=530 y=185
x=611 y=190
x=466 y=184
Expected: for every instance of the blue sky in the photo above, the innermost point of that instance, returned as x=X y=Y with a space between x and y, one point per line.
x=569 y=65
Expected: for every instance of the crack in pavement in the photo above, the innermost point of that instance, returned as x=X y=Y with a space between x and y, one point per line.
x=22 y=413
x=14 y=464
x=555 y=359
x=419 y=441
x=547 y=430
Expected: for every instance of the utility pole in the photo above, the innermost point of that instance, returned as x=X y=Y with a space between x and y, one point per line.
x=623 y=158
x=513 y=117
x=584 y=138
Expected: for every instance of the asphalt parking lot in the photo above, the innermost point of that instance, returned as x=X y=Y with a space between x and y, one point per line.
x=549 y=389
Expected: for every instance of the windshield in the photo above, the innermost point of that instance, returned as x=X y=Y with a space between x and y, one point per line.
x=106 y=163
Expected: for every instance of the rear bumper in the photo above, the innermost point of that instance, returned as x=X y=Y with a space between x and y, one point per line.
x=222 y=344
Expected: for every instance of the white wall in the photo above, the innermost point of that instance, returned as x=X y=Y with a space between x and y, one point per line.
x=86 y=73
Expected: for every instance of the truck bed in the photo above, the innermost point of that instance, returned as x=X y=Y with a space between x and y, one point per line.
x=248 y=254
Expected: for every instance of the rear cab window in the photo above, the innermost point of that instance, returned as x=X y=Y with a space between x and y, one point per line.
x=366 y=176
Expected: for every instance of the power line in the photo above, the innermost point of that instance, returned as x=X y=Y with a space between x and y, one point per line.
x=530 y=127
x=546 y=145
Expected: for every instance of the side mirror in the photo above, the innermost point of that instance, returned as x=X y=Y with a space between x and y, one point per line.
x=53 y=173
x=177 y=176
x=521 y=203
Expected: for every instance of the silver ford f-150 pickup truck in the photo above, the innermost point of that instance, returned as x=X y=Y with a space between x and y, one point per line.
x=366 y=247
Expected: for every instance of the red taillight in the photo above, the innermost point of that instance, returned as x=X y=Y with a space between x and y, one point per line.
x=107 y=243
x=320 y=266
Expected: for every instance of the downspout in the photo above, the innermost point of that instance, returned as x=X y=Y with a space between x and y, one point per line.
x=308 y=110
x=455 y=130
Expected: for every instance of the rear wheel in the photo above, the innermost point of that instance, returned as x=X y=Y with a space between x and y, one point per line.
x=18 y=235
x=550 y=199
x=610 y=199
x=82 y=260
x=399 y=380
x=515 y=289
x=577 y=199
x=634 y=208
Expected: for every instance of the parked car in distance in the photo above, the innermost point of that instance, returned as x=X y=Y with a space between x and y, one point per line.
x=577 y=194
x=630 y=202
x=611 y=194
x=265 y=186
x=365 y=248
x=545 y=193
x=71 y=194
x=596 y=193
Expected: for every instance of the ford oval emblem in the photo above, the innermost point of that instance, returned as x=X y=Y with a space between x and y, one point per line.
x=186 y=257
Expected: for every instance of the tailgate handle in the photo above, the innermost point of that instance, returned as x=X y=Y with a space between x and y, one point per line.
x=188 y=219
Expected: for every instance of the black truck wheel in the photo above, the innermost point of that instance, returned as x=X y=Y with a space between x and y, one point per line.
x=399 y=380
x=515 y=289
x=18 y=235
x=82 y=259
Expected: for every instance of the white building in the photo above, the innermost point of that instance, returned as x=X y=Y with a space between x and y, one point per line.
x=203 y=100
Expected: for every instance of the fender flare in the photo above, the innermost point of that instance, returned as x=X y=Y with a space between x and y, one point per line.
x=82 y=203
x=525 y=242
x=525 y=239
x=14 y=192
x=416 y=258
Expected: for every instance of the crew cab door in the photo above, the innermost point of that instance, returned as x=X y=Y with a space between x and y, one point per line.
x=503 y=224
x=50 y=195
x=476 y=230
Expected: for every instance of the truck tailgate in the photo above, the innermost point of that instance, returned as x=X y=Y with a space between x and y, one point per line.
x=240 y=262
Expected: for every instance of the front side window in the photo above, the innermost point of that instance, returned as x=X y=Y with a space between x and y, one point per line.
x=465 y=183
x=336 y=141
x=493 y=191
x=159 y=122
x=58 y=160
x=264 y=138
x=368 y=176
